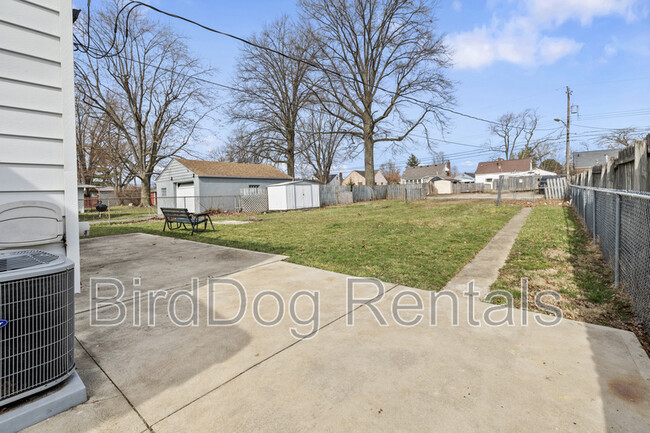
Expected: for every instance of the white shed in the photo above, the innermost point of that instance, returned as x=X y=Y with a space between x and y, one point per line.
x=298 y=194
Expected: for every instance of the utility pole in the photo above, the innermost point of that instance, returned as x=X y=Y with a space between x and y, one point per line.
x=568 y=126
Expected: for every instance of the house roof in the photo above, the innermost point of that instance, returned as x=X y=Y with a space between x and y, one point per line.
x=504 y=166
x=362 y=172
x=422 y=171
x=588 y=159
x=232 y=169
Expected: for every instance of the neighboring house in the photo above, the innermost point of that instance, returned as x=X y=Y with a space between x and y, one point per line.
x=202 y=185
x=358 y=177
x=486 y=172
x=465 y=178
x=332 y=180
x=585 y=160
x=426 y=173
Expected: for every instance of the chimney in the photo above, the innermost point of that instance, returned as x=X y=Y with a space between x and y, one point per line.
x=340 y=179
x=448 y=167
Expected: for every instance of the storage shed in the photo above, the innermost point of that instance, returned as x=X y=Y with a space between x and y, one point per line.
x=298 y=194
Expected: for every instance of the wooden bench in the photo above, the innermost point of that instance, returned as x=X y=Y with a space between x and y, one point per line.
x=175 y=218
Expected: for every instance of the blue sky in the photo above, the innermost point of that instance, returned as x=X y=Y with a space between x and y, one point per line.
x=508 y=56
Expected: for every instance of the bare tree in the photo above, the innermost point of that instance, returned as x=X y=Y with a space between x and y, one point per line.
x=148 y=88
x=92 y=135
x=239 y=148
x=324 y=143
x=274 y=91
x=619 y=138
x=438 y=157
x=517 y=130
x=378 y=56
x=390 y=171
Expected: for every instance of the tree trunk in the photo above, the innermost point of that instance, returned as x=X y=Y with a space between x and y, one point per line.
x=291 y=156
x=145 y=190
x=368 y=151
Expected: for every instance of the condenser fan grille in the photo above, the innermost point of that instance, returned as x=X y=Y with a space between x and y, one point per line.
x=36 y=344
x=25 y=259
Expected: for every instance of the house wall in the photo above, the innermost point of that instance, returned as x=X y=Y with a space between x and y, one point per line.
x=443 y=186
x=357 y=179
x=223 y=192
x=37 y=137
x=483 y=178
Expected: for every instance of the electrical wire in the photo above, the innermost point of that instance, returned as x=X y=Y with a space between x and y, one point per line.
x=133 y=4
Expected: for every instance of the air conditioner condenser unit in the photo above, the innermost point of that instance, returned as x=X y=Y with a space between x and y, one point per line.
x=37 y=322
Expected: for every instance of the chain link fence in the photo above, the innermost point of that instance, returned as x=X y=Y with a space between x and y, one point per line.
x=619 y=221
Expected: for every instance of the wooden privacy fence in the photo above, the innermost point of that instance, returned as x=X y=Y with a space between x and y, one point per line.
x=628 y=171
x=331 y=195
x=459 y=188
x=556 y=188
x=515 y=184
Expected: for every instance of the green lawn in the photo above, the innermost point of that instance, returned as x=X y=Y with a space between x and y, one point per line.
x=420 y=244
x=554 y=252
x=118 y=213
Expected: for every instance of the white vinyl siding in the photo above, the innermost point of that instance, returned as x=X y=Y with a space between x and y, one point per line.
x=37 y=144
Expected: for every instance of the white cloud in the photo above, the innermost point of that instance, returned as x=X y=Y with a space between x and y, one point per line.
x=560 y=11
x=524 y=38
x=553 y=49
x=468 y=164
x=457 y=6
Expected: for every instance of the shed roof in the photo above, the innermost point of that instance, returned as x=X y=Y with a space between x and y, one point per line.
x=232 y=169
x=588 y=159
x=293 y=182
x=504 y=166
x=422 y=171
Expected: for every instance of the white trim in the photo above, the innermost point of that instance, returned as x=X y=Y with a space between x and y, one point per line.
x=69 y=142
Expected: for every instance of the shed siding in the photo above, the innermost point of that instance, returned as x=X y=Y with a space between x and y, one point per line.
x=37 y=141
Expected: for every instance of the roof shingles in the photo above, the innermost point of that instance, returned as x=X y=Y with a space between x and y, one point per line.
x=232 y=169
x=504 y=166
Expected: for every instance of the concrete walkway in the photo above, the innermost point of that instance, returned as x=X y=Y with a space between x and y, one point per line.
x=434 y=375
x=484 y=268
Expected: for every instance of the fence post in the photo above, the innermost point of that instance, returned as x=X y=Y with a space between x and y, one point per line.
x=617 y=241
x=593 y=215
x=499 y=195
x=641 y=165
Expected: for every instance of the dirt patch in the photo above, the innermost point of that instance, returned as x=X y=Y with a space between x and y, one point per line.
x=536 y=203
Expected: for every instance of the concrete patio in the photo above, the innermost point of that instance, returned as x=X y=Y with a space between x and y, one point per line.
x=366 y=377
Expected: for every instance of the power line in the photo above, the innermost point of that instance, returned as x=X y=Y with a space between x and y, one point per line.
x=427 y=105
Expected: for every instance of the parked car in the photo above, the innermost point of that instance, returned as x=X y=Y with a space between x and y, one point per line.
x=541 y=185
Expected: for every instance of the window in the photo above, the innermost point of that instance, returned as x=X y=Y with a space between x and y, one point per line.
x=163 y=192
x=253 y=186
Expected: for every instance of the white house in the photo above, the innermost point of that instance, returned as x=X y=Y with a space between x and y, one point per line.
x=202 y=185
x=38 y=210
x=486 y=172
x=37 y=135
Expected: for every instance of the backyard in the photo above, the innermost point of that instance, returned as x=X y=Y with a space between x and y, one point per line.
x=117 y=213
x=554 y=252
x=420 y=244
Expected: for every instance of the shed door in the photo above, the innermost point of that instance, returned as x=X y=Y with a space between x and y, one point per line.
x=185 y=196
x=303 y=196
